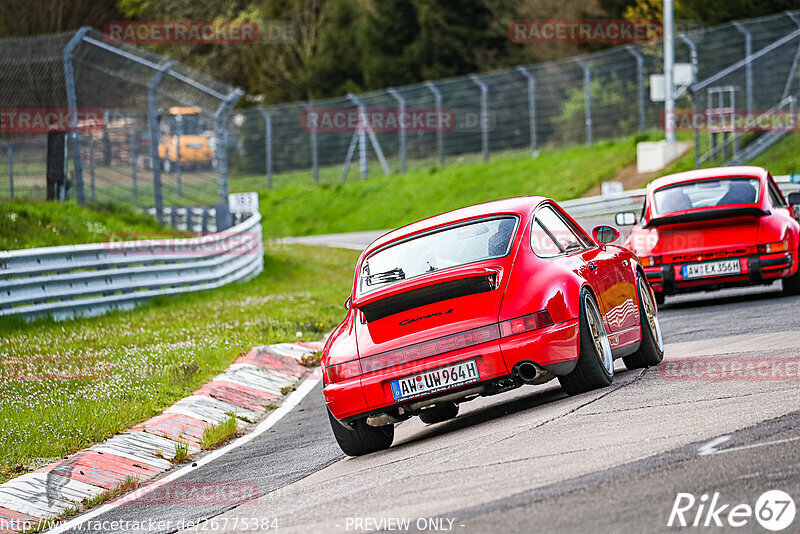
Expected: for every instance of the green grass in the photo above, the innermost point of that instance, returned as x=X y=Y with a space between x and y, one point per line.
x=388 y=202
x=67 y=385
x=216 y=434
x=27 y=224
x=783 y=157
x=181 y=452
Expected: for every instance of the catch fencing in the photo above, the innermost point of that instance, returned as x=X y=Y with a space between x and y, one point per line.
x=115 y=118
x=147 y=131
x=752 y=63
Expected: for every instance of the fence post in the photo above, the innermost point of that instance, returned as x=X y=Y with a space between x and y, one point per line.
x=437 y=95
x=267 y=145
x=364 y=130
x=314 y=153
x=153 y=122
x=362 y=141
x=587 y=99
x=788 y=87
x=640 y=96
x=91 y=168
x=692 y=95
x=484 y=115
x=748 y=68
x=221 y=155
x=531 y=108
x=10 y=153
x=72 y=103
x=350 y=150
x=401 y=104
x=133 y=146
x=178 y=163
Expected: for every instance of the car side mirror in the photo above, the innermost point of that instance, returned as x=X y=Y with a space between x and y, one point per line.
x=605 y=234
x=794 y=198
x=626 y=218
x=347 y=304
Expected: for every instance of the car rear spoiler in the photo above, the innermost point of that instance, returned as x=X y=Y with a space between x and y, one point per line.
x=706 y=215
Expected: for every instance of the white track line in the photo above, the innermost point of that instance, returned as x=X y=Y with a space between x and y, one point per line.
x=754 y=445
x=291 y=401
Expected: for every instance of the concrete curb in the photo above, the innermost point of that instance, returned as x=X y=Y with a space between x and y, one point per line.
x=145 y=451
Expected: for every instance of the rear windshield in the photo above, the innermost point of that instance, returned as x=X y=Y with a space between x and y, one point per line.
x=707 y=194
x=460 y=245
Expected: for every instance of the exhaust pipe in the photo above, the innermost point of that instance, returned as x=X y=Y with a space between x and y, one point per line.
x=530 y=373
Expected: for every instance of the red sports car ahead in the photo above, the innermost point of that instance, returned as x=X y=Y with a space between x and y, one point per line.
x=476 y=302
x=714 y=228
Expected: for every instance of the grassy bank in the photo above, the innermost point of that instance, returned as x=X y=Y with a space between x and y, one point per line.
x=783 y=157
x=64 y=386
x=28 y=224
x=388 y=202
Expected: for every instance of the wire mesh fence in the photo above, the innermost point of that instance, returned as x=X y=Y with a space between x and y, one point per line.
x=585 y=99
x=130 y=126
x=110 y=123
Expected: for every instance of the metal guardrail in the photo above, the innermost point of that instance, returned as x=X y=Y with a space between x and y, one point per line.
x=191 y=219
x=595 y=206
x=633 y=200
x=88 y=280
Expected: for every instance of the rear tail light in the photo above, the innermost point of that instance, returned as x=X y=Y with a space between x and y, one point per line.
x=773 y=248
x=650 y=261
x=342 y=371
x=526 y=323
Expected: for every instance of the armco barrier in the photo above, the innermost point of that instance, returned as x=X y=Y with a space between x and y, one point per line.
x=87 y=280
x=634 y=199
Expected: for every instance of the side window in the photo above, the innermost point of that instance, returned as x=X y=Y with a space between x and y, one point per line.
x=551 y=235
x=775 y=196
x=542 y=241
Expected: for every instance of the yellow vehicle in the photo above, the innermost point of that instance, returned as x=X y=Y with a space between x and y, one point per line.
x=183 y=137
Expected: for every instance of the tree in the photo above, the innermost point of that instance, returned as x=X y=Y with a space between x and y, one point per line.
x=296 y=71
x=456 y=37
x=35 y=17
x=390 y=30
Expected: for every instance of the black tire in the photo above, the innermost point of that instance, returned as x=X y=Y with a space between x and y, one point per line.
x=651 y=349
x=791 y=285
x=439 y=413
x=363 y=438
x=660 y=298
x=595 y=367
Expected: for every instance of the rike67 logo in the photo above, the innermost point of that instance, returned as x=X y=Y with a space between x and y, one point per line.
x=774 y=510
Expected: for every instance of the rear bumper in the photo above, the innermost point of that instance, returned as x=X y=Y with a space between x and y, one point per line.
x=554 y=348
x=756 y=269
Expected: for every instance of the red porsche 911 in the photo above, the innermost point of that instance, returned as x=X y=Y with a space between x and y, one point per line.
x=714 y=228
x=476 y=302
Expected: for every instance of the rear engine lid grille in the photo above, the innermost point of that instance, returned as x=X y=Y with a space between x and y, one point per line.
x=423 y=296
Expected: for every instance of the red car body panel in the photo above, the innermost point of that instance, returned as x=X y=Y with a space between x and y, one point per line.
x=440 y=333
x=729 y=232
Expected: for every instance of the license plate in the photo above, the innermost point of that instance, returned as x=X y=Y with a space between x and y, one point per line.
x=435 y=380
x=712 y=268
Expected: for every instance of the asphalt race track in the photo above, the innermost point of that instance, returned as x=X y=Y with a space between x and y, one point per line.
x=535 y=460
